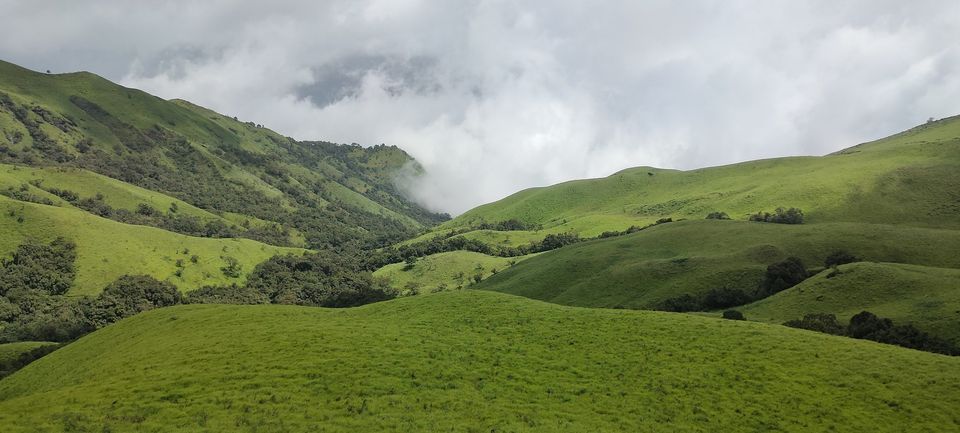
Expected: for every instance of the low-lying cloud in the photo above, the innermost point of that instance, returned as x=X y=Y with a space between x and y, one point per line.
x=494 y=96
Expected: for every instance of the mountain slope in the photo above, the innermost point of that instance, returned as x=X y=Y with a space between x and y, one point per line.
x=909 y=178
x=332 y=194
x=108 y=249
x=473 y=361
x=643 y=269
x=927 y=297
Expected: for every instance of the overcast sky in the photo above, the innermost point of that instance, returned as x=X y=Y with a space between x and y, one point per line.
x=495 y=96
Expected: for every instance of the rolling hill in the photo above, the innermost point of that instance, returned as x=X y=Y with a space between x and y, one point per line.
x=643 y=269
x=927 y=297
x=473 y=361
x=907 y=179
x=108 y=249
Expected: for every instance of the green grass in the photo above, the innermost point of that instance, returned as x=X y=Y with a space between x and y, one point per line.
x=107 y=249
x=12 y=351
x=642 y=269
x=451 y=269
x=117 y=194
x=910 y=179
x=473 y=361
x=215 y=136
x=927 y=297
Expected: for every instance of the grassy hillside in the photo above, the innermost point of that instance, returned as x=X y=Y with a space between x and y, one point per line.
x=473 y=361
x=927 y=297
x=912 y=178
x=451 y=269
x=107 y=249
x=642 y=269
x=323 y=193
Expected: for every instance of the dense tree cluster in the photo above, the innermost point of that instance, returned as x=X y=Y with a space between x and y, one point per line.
x=783 y=275
x=38 y=266
x=713 y=299
x=868 y=326
x=780 y=216
x=322 y=279
x=718 y=216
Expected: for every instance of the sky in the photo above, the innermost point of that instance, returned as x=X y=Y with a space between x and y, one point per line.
x=496 y=96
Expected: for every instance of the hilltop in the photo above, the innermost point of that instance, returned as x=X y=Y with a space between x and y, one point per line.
x=473 y=361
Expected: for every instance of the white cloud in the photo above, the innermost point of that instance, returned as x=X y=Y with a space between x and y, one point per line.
x=494 y=96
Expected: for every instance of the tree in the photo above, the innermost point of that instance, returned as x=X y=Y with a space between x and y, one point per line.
x=131 y=294
x=324 y=279
x=718 y=216
x=783 y=275
x=231 y=268
x=826 y=323
x=37 y=266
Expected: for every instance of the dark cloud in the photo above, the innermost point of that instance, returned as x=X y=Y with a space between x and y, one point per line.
x=495 y=96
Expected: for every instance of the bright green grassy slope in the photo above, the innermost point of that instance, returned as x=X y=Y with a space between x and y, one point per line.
x=451 y=269
x=642 y=269
x=474 y=361
x=925 y=296
x=107 y=249
x=12 y=351
x=911 y=178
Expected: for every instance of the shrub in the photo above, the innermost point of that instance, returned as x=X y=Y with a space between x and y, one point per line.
x=783 y=275
x=231 y=268
x=840 y=257
x=37 y=266
x=826 y=323
x=132 y=294
x=232 y=294
x=718 y=216
x=324 y=279
x=780 y=216
x=682 y=303
x=716 y=299
x=733 y=315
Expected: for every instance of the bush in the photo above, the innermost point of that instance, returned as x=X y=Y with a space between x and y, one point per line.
x=783 y=275
x=718 y=216
x=826 y=323
x=716 y=299
x=840 y=257
x=232 y=294
x=131 y=294
x=780 y=216
x=36 y=266
x=324 y=279
x=682 y=304
x=733 y=315
x=231 y=268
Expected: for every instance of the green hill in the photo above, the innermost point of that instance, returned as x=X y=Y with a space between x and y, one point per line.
x=444 y=270
x=323 y=193
x=910 y=178
x=641 y=270
x=927 y=297
x=107 y=249
x=473 y=361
